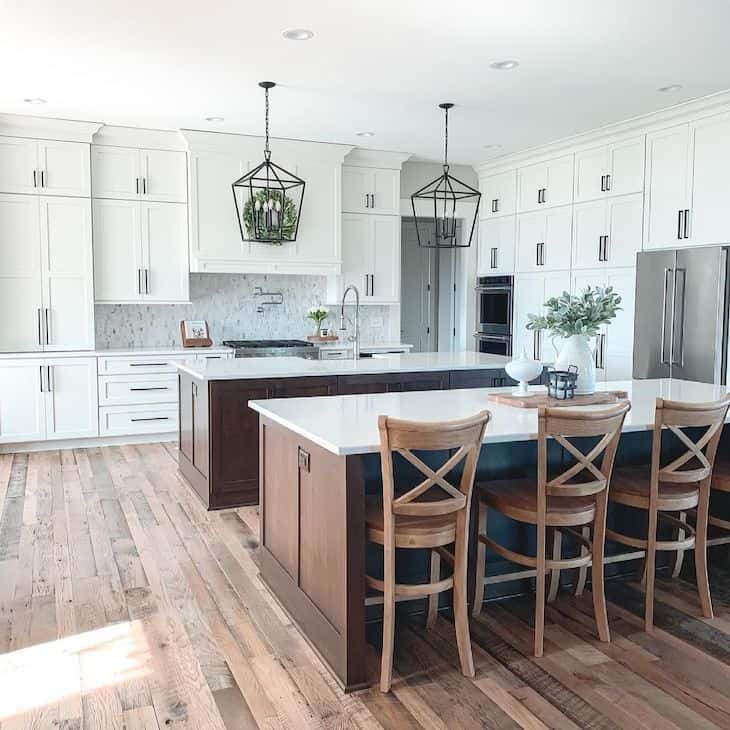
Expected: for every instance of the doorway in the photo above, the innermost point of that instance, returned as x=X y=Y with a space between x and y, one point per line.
x=429 y=292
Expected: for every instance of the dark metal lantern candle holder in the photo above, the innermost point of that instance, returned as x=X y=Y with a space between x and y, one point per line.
x=561 y=383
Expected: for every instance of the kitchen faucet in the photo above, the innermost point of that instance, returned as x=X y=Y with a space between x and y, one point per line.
x=354 y=338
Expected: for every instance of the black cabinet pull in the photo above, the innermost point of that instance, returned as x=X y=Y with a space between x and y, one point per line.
x=156 y=388
x=603 y=183
x=608 y=183
x=495 y=205
x=493 y=258
x=685 y=228
x=148 y=364
x=35 y=178
x=155 y=418
x=679 y=225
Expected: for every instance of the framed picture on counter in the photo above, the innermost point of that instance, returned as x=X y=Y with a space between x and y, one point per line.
x=194 y=333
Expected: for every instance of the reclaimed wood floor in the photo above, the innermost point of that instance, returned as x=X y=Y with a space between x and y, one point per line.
x=123 y=604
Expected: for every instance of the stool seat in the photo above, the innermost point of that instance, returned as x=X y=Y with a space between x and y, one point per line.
x=631 y=486
x=517 y=499
x=411 y=531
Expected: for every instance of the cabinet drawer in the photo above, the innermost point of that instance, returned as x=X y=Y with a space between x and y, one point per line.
x=117 y=390
x=335 y=354
x=140 y=365
x=127 y=420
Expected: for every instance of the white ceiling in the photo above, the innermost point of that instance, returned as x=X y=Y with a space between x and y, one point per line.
x=380 y=65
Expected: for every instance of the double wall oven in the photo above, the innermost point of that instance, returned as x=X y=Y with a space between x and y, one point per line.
x=495 y=296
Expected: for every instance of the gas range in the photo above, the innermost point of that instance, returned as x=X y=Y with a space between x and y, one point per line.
x=273 y=348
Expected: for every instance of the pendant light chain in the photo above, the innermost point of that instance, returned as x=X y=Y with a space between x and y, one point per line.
x=446 y=139
x=267 y=151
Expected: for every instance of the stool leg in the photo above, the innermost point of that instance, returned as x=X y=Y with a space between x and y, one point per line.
x=461 y=611
x=679 y=557
x=540 y=591
x=597 y=552
x=555 y=572
x=433 y=599
x=481 y=560
x=703 y=584
x=386 y=660
x=650 y=575
x=582 y=572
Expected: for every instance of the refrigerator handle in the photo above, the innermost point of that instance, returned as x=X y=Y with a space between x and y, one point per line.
x=663 y=356
x=677 y=271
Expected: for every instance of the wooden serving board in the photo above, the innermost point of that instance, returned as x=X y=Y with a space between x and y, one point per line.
x=536 y=400
x=328 y=338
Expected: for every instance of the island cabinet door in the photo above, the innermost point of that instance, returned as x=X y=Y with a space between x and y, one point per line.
x=303 y=387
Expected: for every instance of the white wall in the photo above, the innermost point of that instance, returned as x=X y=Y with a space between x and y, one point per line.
x=415 y=175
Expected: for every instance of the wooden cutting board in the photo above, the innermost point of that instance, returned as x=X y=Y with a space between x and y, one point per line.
x=536 y=400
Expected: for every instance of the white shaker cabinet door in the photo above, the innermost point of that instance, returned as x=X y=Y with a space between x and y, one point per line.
x=72 y=398
x=357 y=251
x=530 y=236
x=558 y=238
x=19 y=171
x=165 y=271
x=497 y=245
x=386 y=192
x=67 y=273
x=357 y=185
x=591 y=167
x=626 y=166
x=624 y=218
x=117 y=251
x=499 y=195
x=530 y=181
x=164 y=175
x=710 y=213
x=21 y=301
x=667 y=186
x=116 y=172
x=65 y=168
x=589 y=228
x=22 y=401
x=385 y=272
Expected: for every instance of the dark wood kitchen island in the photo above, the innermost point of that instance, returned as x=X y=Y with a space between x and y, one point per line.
x=219 y=439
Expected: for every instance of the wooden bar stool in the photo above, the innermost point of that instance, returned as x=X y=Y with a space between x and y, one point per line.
x=431 y=515
x=678 y=487
x=575 y=497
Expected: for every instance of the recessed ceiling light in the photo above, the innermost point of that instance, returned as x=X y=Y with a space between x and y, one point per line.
x=214 y=119
x=35 y=100
x=504 y=65
x=298 y=34
x=670 y=89
x=365 y=134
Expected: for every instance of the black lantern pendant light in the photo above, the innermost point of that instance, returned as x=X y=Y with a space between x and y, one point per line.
x=444 y=192
x=268 y=198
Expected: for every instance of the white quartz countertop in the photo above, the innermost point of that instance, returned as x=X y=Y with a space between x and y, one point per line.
x=295 y=367
x=345 y=345
x=348 y=424
x=121 y=352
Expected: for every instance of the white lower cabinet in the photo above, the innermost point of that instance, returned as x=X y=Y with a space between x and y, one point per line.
x=22 y=401
x=530 y=294
x=117 y=390
x=45 y=399
x=138 y=419
x=71 y=398
x=614 y=345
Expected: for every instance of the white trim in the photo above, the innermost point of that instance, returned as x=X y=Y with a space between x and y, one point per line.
x=66 y=130
x=87 y=443
x=203 y=265
x=679 y=114
x=361 y=157
x=152 y=139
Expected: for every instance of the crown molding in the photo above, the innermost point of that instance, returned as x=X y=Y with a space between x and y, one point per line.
x=67 y=130
x=156 y=139
x=678 y=114
x=363 y=157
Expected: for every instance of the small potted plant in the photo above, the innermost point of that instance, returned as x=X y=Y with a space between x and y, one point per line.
x=318 y=314
x=576 y=318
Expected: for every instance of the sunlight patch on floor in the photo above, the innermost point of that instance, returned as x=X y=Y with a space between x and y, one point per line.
x=48 y=673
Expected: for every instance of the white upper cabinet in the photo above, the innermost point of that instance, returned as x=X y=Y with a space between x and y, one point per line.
x=21 y=299
x=499 y=195
x=44 y=167
x=667 y=179
x=615 y=169
x=67 y=273
x=370 y=190
x=217 y=161
x=496 y=253
x=607 y=232
x=140 y=251
x=544 y=240
x=709 y=217
x=545 y=184
x=370 y=257
x=127 y=173
x=45 y=273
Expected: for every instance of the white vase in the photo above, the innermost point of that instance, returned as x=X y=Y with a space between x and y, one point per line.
x=523 y=369
x=576 y=350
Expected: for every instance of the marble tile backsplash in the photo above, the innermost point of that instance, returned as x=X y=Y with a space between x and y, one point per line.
x=228 y=303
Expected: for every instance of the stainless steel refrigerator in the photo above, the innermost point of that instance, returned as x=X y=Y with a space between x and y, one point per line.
x=681 y=321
